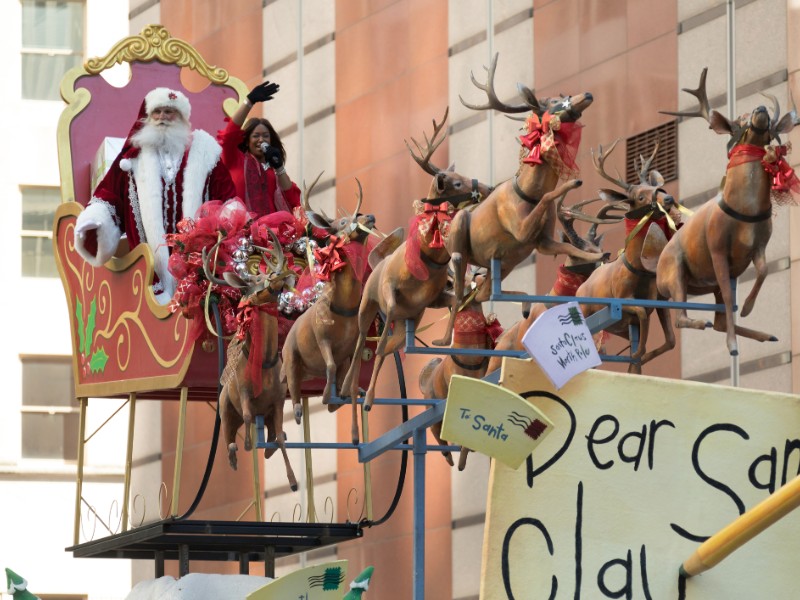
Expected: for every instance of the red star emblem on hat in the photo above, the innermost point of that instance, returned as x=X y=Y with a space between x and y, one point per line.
x=173 y=96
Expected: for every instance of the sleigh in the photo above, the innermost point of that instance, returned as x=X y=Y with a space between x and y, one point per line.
x=126 y=345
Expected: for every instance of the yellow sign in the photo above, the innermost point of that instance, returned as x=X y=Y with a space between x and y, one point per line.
x=491 y=420
x=637 y=473
x=320 y=582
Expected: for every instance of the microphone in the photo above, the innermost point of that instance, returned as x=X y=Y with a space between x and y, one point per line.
x=264 y=147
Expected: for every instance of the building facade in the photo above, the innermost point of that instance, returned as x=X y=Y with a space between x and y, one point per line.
x=359 y=78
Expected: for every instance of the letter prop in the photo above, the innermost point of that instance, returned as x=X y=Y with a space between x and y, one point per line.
x=492 y=420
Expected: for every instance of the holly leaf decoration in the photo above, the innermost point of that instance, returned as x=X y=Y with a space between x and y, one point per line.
x=79 y=318
x=98 y=361
x=90 y=322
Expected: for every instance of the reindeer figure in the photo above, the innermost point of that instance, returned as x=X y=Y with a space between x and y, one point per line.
x=731 y=231
x=414 y=275
x=628 y=277
x=571 y=274
x=245 y=394
x=321 y=341
x=472 y=330
x=519 y=216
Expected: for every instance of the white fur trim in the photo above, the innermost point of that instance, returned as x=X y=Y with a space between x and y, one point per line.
x=203 y=156
x=160 y=97
x=125 y=164
x=108 y=234
x=150 y=193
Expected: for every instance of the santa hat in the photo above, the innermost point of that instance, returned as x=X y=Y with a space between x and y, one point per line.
x=161 y=97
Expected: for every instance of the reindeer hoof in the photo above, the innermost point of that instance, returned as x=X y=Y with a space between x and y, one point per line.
x=735 y=352
x=772 y=338
x=232 y=449
x=449 y=458
x=293 y=487
x=298 y=414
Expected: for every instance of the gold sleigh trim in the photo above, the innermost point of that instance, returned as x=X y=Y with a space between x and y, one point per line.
x=156 y=43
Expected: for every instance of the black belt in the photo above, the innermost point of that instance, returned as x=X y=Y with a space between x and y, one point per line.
x=344 y=312
x=523 y=195
x=634 y=270
x=431 y=263
x=763 y=216
x=480 y=365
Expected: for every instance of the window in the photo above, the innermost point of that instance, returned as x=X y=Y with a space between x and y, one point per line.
x=642 y=144
x=50 y=412
x=52 y=43
x=38 y=208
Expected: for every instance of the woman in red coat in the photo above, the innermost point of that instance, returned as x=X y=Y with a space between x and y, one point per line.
x=255 y=157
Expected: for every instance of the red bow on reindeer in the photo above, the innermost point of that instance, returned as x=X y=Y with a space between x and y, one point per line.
x=328 y=258
x=440 y=214
x=783 y=176
x=549 y=138
x=537 y=129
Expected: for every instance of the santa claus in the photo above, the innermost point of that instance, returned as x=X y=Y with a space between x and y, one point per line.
x=164 y=172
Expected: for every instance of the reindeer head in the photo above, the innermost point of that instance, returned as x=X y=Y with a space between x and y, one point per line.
x=447 y=183
x=647 y=196
x=356 y=226
x=259 y=288
x=756 y=128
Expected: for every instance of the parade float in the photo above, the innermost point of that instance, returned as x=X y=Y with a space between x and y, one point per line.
x=601 y=480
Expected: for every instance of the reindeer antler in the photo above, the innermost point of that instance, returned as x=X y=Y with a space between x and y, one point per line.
x=574 y=212
x=493 y=101
x=307 y=193
x=360 y=198
x=599 y=165
x=207 y=269
x=699 y=93
x=425 y=154
x=645 y=164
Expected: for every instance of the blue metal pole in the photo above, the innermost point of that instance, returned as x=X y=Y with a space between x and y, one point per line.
x=419 y=512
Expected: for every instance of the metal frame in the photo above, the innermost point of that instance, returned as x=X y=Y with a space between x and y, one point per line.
x=415 y=428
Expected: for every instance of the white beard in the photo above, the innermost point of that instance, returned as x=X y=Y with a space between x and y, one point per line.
x=169 y=137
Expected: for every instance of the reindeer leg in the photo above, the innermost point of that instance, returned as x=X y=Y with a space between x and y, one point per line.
x=752 y=334
x=330 y=369
x=462 y=458
x=458 y=295
x=719 y=258
x=760 y=264
x=380 y=356
x=280 y=437
x=366 y=315
x=436 y=430
x=292 y=370
x=230 y=421
x=247 y=417
x=669 y=336
x=547 y=245
x=671 y=282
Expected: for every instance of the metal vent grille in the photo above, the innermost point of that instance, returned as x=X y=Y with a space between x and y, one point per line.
x=665 y=162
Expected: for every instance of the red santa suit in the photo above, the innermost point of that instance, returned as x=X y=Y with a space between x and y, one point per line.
x=145 y=194
x=257 y=186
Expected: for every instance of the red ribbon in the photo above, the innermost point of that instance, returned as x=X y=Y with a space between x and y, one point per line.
x=328 y=258
x=247 y=318
x=494 y=330
x=567 y=282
